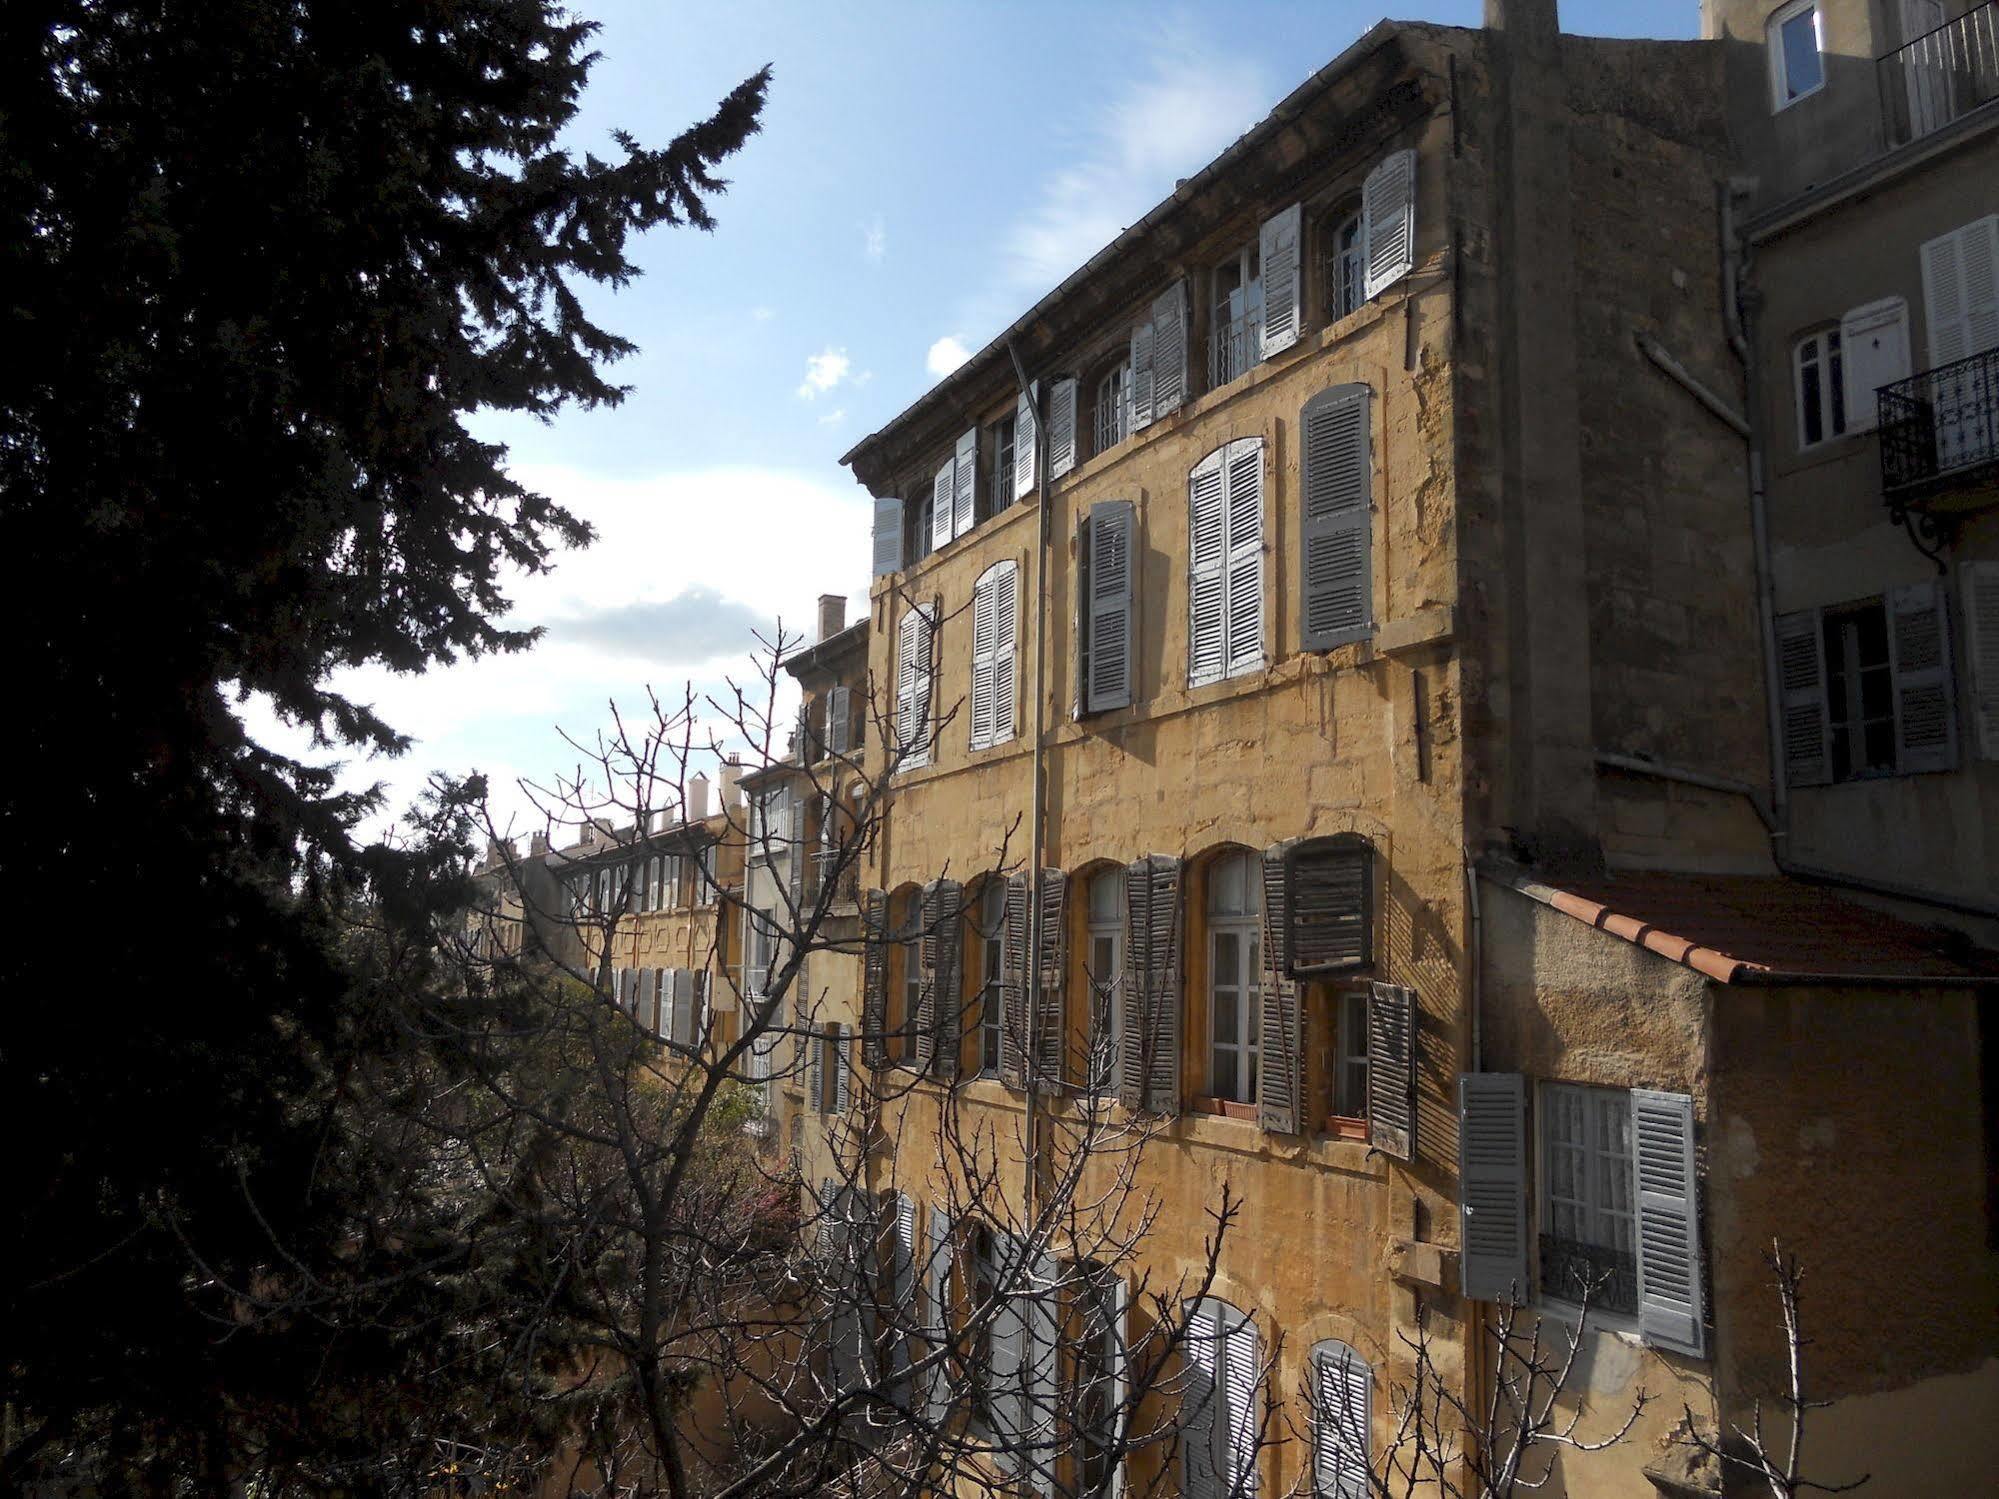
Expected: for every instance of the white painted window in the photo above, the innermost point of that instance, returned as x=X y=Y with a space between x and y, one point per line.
x=1235 y=968
x=1350 y=1082
x=1796 y=41
x=1821 y=385
x=1105 y=958
x=1235 y=325
x=1346 y=263
x=1112 y=421
x=1588 y=1219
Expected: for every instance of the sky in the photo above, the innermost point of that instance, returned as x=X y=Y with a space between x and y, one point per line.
x=924 y=174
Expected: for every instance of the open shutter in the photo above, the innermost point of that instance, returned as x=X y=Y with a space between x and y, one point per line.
x=1079 y=617
x=839 y=720
x=1169 y=350
x=1801 y=674
x=1207 y=562
x=937 y=1005
x=913 y=678
x=984 y=631
x=1149 y=1061
x=843 y=1069
x=815 y=1075
x=1006 y=619
x=964 y=483
x=1332 y=905
x=1391 y=1070
x=1670 y=1311
x=874 y=978
x=1024 y=476
x=1283 y=307
x=1245 y=555
x=1919 y=658
x=1013 y=982
x=1337 y=583
x=1043 y=1384
x=937 y=1310
x=1981 y=634
x=1008 y=1353
x=1388 y=207
x=1052 y=1037
x=1873 y=351
x=1281 y=1077
x=940 y=504
x=1343 y=1422
x=1492 y=1185
x=1201 y=1398
x=1241 y=1358
x=1142 y=343
x=1109 y=540
x=1061 y=428
x=888 y=535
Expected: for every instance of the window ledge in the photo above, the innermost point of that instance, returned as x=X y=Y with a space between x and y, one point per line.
x=1346 y=1127
x=1227 y=1108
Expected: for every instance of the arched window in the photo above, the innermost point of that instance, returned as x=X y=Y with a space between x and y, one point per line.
x=1218 y=1417
x=1235 y=965
x=1103 y=961
x=1345 y=247
x=1112 y=395
x=1342 y=1421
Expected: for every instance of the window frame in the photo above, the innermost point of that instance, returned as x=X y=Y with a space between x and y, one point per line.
x=1781 y=98
x=1116 y=373
x=1347 y=214
x=1841 y=725
x=1247 y=264
x=1106 y=997
x=1000 y=496
x=1246 y=928
x=1827 y=356
x=989 y=922
x=1594 y=1095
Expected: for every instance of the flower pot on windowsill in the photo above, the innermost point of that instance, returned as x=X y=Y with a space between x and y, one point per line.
x=1340 y=1127
x=1226 y=1108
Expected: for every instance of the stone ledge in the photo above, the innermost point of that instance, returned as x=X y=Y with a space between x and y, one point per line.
x=1422 y=1264
x=1428 y=626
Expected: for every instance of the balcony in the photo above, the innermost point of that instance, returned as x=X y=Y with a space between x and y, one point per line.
x=1941 y=76
x=1940 y=437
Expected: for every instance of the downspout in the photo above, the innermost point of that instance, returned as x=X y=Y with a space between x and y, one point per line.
x=1477 y=962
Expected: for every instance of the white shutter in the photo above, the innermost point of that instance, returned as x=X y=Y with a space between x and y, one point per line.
x=1042 y=1381
x=1120 y=1373
x=940 y=504
x=1244 y=476
x=1801 y=678
x=1283 y=307
x=1009 y=1350
x=983 y=637
x=937 y=1309
x=1492 y=1185
x=1337 y=603
x=1240 y=1360
x=1207 y=559
x=642 y=1008
x=1200 y=1403
x=1111 y=529
x=1873 y=351
x=1061 y=428
x=1140 y=389
x=912 y=687
x=1343 y=1422
x=888 y=536
x=684 y=1030
x=1388 y=211
x=842 y=1069
x=1981 y=635
x=1669 y=1237
x=1919 y=662
x=1023 y=442
x=1169 y=350
x=964 y=483
x=1961 y=291
x=1006 y=616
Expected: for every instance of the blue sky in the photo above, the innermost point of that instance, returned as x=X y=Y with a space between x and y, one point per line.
x=925 y=172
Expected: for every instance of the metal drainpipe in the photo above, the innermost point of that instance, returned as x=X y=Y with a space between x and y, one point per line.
x=1035 y=829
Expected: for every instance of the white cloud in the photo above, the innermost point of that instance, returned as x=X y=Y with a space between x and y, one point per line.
x=874 y=243
x=763 y=314
x=823 y=371
x=946 y=355
x=833 y=418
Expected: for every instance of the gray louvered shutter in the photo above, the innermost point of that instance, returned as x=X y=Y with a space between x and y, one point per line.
x=1244 y=476
x=1241 y=1365
x=1332 y=905
x=1112 y=526
x=964 y=483
x=1337 y=582
x=946 y=1005
x=937 y=1310
x=1052 y=1039
x=816 y=1075
x=843 y=1069
x=1388 y=207
x=1283 y=306
x=1207 y=571
x=1492 y=1185
x=1013 y=982
x=930 y=919
x=1043 y=1382
x=1801 y=673
x=839 y=720
x=940 y=504
x=1981 y=635
x=1391 y=1070
x=1343 y=1422
x=1006 y=622
x=1141 y=376
x=1919 y=658
x=984 y=636
x=1061 y=428
x=1169 y=350
x=1281 y=1042
x=1079 y=618
x=1149 y=1063
x=1670 y=1309
x=874 y=978
x=1201 y=1402
x=1024 y=475
x=888 y=536
x=1007 y=1352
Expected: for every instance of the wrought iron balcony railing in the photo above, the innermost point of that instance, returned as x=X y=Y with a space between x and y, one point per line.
x=1940 y=427
x=1940 y=76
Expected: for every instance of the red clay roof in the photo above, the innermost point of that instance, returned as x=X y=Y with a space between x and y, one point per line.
x=1754 y=929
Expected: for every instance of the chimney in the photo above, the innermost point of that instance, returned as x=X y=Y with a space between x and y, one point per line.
x=732 y=770
x=537 y=844
x=1535 y=22
x=696 y=805
x=832 y=614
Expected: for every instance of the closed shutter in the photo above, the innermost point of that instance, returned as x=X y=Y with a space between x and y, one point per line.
x=937 y=1311
x=1670 y=1312
x=1111 y=527
x=1283 y=307
x=913 y=674
x=1873 y=351
x=1391 y=1070
x=940 y=504
x=1169 y=350
x=1919 y=659
x=1492 y=1185
x=1981 y=633
x=1281 y=1076
x=1009 y=1351
x=1043 y=1385
x=1332 y=905
x=703 y=1001
x=984 y=637
x=1388 y=207
x=839 y=720
x=1961 y=291
x=888 y=536
x=1053 y=947
x=964 y=483
x=874 y=978
x=1801 y=675
x=1140 y=388
x=937 y=1003
x=1024 y=432
x=1149 y=1060
x=1337 y=602
x=1241 y=1361
x=1006 y=612
x=1061 y=428
x=902 y=1285
x=1245 y=555
x=1343 y=1422
x=676 y=1001
x=1207 y=564
x=1013 y=982
x=1201 y=1416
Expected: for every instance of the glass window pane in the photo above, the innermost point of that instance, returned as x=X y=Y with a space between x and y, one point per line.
x=1803 y=71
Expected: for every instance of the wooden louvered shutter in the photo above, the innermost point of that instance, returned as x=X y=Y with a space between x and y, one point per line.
x=942 y=993
x=937 y=1309
x=815 y=1075
x=1149 y=1060
x=839 y=720
x=1024 y=476
x=1280 y=1088
x=1061 y=428
x=1201 y=1399
x=1391 y=1070
x=1332 y=905
x=1343 y=1422
x=843 y=1069
x=1337 y=600
x=1388 y=208
x=1042 y=1382
x=984 y=633
x=1801 y=674
x=1961 y=291
x=1492 y=1185
x=929 y=917
x=874 y=978
x=1169 y=350
x=1245 y=555
x=1283 y=306
x=1207 y=567
x=1013 y=982
x=1241 y=1358
x=964 y=483
x=1919 y=660
x=1140 y=387
x=940 y=504
x=1670 y=1311
x=888 y=536
x=1111 y=527
x=1052 y=1038
x=1981 y=636
x=1006 y=611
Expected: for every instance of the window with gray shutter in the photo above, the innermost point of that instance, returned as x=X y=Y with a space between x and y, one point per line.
x=1061 y=428
x=937 y=1308
x=1329 y=904
x=1169 y=350
x=1025 y=433
x=1391 y=1070
x=1283 y=306
x=1919 y=655
x=1801 y=675
x=1139 y=392
x=839 y=719
x=1207 y=579
x=940 y=504
x=1670 y=1305
x=938 y=1007
x=964 y=483
x=1149 y=1063
x=843 y=1069
x=1244 y=474
x=1492 y=1185
x=1112 y=527
x=1388 y=202
x=1281 y=1044
x=888 y=536
x=1981 y=635
x=1042 y=1376
x=915 y=676
x=1342 y=1422
x=1013 y=982
x=816 y=1075
x=1053 y=953
x=874 y=978
x=1337 y=584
